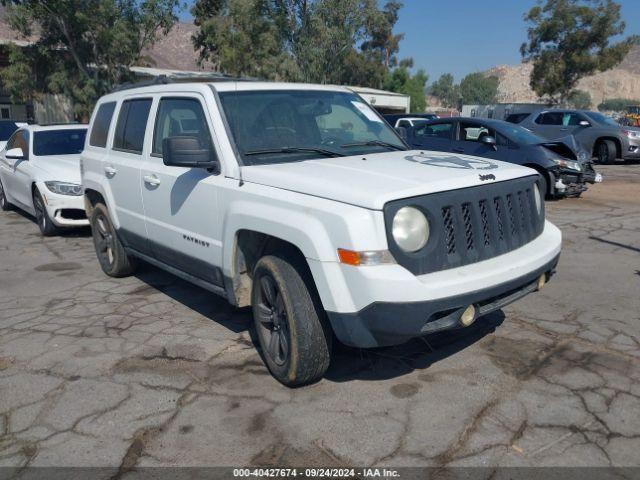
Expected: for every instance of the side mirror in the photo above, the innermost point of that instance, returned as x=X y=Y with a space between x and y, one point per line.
x=488 y=140
x=584 y=123
x=402 y=131
x=15 y=154
x=187 y=152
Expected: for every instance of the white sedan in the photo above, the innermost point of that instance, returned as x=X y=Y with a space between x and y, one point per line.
x=40 y=174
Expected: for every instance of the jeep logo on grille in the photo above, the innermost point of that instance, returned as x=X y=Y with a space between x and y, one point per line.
x=453 y=162
x=490 y=176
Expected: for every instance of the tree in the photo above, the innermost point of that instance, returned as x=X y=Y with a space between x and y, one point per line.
x=570 y=39
x=401 y=80
x=324 y=41
x=579 y=99
x=84 y=47
x=446 y=91
x=477 y=88
x=617 y=104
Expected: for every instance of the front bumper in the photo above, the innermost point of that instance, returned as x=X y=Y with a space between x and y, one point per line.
x=65 y=210
x=574 y=183
x=384 y=324
x=633 y=151
x=385 y=305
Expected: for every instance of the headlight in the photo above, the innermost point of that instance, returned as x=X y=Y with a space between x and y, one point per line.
x=631 y=133
x=63 y=188
x=538 y=198
x=410 y=229
x=570 y=164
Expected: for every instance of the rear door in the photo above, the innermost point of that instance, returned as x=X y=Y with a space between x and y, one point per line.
x=434 y=136
x=181 y=204
x=122 y=171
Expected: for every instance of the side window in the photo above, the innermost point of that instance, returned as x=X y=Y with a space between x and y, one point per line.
x=438 y=130
x=101 y=124
x=20 y=139
x=132 y=123
x=550 y=118
x=404 y=123
x=180 y=117
x=571 y=119
x=473 y=132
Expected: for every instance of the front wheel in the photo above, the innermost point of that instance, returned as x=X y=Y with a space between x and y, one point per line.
x=4 y=203
x=111 y=254
x=296 y=346
x=45 y=224
x=606 y=152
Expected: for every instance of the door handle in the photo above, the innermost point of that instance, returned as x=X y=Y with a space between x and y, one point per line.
x=110 y=171
x=151 y=180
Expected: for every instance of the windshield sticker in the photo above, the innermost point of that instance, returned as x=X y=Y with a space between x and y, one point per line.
x=453 y=162
x=366 y=111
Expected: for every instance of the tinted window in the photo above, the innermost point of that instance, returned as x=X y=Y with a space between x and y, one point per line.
x=600 y=118
x=180 y=117
x=550 y=118
x=132 y=123
x=101 y=124
x=516 y=117
x=437 y=130
x=404 y=123
x=6 y=130
x=59 y=142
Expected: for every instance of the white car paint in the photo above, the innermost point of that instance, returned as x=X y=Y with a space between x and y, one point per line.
x=19 y=177
x=317 y=205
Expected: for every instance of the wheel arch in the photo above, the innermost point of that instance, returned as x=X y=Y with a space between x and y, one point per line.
x=545 y=173
x=91 y=198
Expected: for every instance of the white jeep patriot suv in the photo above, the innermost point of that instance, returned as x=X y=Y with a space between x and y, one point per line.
x=302 y=202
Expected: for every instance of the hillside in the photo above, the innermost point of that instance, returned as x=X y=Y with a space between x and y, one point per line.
x=622 y=81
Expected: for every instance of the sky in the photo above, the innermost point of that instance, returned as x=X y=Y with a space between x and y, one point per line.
x=465 y=36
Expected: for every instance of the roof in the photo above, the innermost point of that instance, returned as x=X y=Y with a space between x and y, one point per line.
x=375 y=91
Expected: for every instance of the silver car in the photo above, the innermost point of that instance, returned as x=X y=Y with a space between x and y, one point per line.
x=596 y=133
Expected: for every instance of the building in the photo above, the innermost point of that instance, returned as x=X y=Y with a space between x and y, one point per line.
x=500 y=111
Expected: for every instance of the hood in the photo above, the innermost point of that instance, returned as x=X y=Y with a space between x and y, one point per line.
x=568 y=147
x=370 y=181
x=64 y=168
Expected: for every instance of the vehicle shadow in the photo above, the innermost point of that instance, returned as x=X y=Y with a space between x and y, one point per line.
x=207 y=304
x=418 y=354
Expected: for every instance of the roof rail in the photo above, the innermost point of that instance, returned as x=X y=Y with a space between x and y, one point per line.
x=164 y=79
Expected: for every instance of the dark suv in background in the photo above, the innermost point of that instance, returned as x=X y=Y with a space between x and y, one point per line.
x=596 y=133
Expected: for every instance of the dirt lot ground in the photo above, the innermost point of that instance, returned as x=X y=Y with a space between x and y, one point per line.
x=151 y=370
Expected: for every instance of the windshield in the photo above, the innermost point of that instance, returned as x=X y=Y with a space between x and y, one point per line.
x=59 y=142
x=6 y=130
x=600 y=118
x=278 y=126
x=520 y=135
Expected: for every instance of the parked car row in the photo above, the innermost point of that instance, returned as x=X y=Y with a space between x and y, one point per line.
x=299 y=201
x=565 y=168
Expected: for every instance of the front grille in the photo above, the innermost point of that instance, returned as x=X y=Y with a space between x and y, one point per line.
x=470 y=225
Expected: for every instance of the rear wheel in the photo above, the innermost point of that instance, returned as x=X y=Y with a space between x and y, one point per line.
x=606 y=152
x=296 y=345
x=111 y=254
x=45 y=224
x=4 y=203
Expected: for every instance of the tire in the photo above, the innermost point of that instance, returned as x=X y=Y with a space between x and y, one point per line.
x=111 y=254
x=606 y=152
x=5 y=206
x=543 y=185
x=45 y=224
x=291 y=329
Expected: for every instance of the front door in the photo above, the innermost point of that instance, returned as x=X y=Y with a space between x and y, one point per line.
x=181 y=204
x=469 y=141
x=16 y=175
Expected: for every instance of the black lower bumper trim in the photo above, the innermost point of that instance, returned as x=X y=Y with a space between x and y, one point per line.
x=386 y=323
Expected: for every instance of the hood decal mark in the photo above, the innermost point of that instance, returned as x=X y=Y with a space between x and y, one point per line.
x=452 y=162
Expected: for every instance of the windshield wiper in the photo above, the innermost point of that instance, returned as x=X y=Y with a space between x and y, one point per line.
x=373 y=143
x=326 y=153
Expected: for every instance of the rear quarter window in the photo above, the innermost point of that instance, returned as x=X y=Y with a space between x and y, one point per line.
x=101 y=124
x=132 y=124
